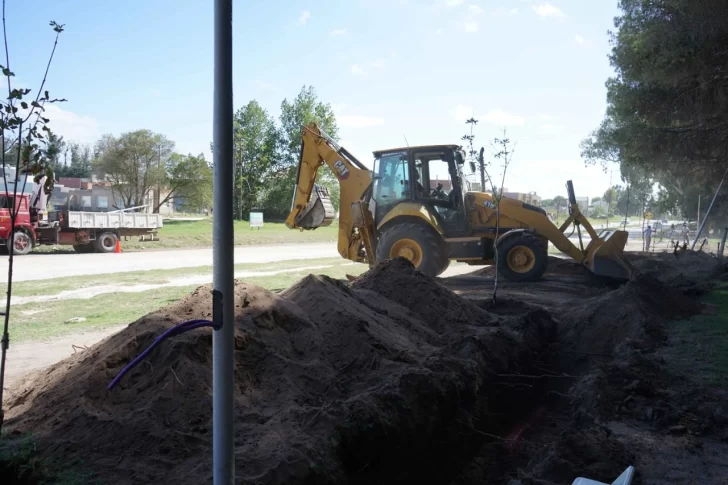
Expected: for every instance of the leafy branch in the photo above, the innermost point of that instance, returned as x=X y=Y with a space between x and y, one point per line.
x=502 y=149
x=23 y=141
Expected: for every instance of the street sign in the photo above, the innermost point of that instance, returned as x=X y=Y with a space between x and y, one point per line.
x=255 y=219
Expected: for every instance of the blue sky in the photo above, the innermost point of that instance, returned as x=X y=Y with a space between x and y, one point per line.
x=390 y=69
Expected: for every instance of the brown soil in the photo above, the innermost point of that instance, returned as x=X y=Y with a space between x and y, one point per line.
x=333 y=384
x=396 y=378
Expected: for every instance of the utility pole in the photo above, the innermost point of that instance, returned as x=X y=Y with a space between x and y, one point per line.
x=223 y=256
x=159 y=175
x=481 y=161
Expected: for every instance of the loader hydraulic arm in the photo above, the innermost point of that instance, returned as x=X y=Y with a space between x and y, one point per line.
x=312 y=208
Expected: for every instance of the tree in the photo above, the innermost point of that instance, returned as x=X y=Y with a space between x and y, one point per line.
x=667 y=110
x=304 y=109
x=281 y=178
x=189 y=179
x=256 y=141
x=596 y=199
x=134 y=163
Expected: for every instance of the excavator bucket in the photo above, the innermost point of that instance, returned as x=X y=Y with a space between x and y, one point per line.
x=319 y=211
x=605 y=255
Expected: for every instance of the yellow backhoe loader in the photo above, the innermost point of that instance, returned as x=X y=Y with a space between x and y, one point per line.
x=414 y=204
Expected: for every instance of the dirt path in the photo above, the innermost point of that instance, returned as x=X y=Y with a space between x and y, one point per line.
x=27 y=356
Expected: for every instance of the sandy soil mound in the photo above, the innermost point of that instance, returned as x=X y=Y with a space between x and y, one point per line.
x=684 y=270
x=633 y=314
x=335 y=384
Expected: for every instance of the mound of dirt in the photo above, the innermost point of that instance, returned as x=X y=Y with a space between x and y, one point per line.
x=555 y=266
x=632 y=314
x=392 y=378
x=684 y=270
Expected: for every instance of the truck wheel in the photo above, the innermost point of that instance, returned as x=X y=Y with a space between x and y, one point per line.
x=522 y=258
x=421 y=246
x=23 y=243
x=106 y=242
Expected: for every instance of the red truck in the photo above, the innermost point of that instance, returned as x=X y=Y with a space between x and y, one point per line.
x=85 y=231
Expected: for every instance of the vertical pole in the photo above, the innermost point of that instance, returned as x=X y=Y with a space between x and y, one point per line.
x=626 y=209
x=609 y=201
x=707 y=213
x=698 y=210
x=223 y=304
x=721 y=248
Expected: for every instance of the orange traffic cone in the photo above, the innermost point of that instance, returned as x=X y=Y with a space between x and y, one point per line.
x=117 y=249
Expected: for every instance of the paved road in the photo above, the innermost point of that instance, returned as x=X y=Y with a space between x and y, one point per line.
x=39 y=266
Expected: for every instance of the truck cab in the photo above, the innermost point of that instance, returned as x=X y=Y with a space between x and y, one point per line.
x=24 y=232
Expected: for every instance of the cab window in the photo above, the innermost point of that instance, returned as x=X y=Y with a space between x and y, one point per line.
x=391 y=180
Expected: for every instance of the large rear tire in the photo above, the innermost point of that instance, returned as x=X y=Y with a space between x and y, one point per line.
x=415 y=242
x=23 y=243
x=522 y=258
x=106 y=242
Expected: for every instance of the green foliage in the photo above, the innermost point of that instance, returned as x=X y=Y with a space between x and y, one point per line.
x=189 y=179
x=667 y=115
x=135 y=163
x=256 y=143
x=276 y=150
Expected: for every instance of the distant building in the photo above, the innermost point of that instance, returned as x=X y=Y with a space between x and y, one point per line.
x=602 y=204
x=529 y=197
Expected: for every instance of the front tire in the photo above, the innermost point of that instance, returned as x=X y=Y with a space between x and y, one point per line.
x=420 y=245
x=106 y=242
x=522 y=258
x=23 y=243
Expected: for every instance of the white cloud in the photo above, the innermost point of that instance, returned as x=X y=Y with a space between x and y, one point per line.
x=72 y=126
x=579 y=39
x=304 y=17
x=500 y=117
x=470 y=26
x=439 y=31
x=358 y=70
x=351 y=121
x=547 y=117
x=475 y=9
x=454 y=3
x=338 y=32
x=548 y=10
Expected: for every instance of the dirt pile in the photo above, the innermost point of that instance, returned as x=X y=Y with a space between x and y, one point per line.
x=633 y=314
x=391 y=377
x=684 y=270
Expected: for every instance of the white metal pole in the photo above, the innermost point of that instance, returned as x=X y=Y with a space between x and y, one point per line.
x=707 y=213
x=223 y=258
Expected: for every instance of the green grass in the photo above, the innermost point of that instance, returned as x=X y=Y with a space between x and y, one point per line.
x=33 y=321
x=19 y=463
x=57 y=285
x=198 y=234
x=700 y=344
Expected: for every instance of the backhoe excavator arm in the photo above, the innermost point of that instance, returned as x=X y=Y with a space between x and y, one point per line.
x=312 y=208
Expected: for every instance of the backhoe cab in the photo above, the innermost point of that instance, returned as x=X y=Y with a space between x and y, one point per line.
x=416 y=203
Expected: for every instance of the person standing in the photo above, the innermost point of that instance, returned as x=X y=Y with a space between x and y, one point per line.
x=648 y=237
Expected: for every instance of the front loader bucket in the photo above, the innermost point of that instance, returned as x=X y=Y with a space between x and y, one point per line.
x=319 y=211
x=605 y=255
